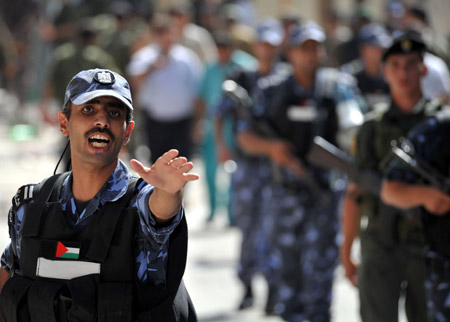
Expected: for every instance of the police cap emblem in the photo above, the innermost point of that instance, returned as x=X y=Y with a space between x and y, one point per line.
x=406 y=45
x=104 y=77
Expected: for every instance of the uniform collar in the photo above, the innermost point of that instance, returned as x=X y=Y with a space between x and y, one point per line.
x=114 y=188
x=418 y=108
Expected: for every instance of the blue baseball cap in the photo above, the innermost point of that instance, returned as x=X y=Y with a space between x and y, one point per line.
x=92 y=83
x=270 y=31
x=306 y=31
x=374 y=34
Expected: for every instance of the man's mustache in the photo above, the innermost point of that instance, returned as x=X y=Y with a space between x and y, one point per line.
x=101 y=130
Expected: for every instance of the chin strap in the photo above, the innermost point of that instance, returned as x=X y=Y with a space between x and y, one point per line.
x=60 y=159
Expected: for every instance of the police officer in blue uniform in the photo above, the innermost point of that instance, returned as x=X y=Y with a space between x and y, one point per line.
x=251 y=182
x=373 y=39
x=311 y=101
x=429 y=142
x=96 y=243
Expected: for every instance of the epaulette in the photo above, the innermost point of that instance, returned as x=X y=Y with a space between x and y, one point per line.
x=377 y=112
x=328 y=78
x=354 y=67
x=23 y=195
x=444 y=114
x=434 y=106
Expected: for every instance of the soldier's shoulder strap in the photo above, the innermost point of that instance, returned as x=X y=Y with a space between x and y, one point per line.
x=29 y=192
x=327 y=80
x=435 y=107
x=443 y=115
x=23 y=195
x=43 y=189
x=377 y=112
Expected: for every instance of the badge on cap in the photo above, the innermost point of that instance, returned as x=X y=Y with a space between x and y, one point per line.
x=406 y=45
x=104 y=77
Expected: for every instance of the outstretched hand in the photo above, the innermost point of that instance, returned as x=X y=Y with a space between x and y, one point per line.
x=169 y=173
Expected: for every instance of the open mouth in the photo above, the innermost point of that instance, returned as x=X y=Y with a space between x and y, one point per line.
x=99 y=141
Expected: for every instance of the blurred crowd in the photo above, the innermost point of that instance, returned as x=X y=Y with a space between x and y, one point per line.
x=177 y=60
x=38 y=36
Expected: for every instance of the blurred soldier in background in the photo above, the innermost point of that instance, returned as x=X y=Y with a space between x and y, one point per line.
x=373 y=39
x=429 y=145
x=391 y=239
x=312 y=101
x=251 y=182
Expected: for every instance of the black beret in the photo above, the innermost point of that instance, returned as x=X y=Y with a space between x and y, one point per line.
x=405 y=43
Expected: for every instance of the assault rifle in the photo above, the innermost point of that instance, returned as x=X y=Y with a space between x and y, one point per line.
x=244 y=102
x=239 y=95
x=326 y=155
x=423 y=169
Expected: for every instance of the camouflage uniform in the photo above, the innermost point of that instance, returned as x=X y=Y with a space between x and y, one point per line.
x=151 y=242
x=306 y=225
x=431 y=142
x=251 y=202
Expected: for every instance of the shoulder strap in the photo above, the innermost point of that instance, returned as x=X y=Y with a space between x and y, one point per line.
x=110 y=216
x=41 y=195
x=435 y=106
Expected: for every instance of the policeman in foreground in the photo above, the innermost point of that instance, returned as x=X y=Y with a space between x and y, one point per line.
x=311 y=101
x=96 y=243
x=391 y=239
x=405 y=188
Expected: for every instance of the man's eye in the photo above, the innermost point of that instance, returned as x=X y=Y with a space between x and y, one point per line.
x=87 y=109
x=114 y=113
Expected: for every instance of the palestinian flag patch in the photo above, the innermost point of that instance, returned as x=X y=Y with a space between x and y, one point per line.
x=67 y=252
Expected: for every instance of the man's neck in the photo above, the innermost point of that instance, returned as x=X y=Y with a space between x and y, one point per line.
x=88 y=180
x=406 y=103
x=304 y=79
x=372 y=69
x=265 y=67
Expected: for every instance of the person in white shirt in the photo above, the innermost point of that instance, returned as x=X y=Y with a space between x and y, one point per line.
x=436 y=83
x=192 y=35
x=166 y=76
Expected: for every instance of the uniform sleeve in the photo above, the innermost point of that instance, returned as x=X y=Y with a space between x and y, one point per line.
x=350 y=107
x=348 y=92
x=151 y=230
x=11 y=254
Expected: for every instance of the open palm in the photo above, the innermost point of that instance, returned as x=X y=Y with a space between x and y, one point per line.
x=168 y=173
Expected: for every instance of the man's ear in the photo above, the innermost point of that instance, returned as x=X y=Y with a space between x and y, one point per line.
x=424 y=70
x=63 y=123
x=128 y=131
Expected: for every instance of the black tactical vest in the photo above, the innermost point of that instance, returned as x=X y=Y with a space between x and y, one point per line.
x=89 y=274
x=390 y=225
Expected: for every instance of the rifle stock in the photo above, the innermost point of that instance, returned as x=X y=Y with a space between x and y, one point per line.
x=326 y=155
x=423 y=169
